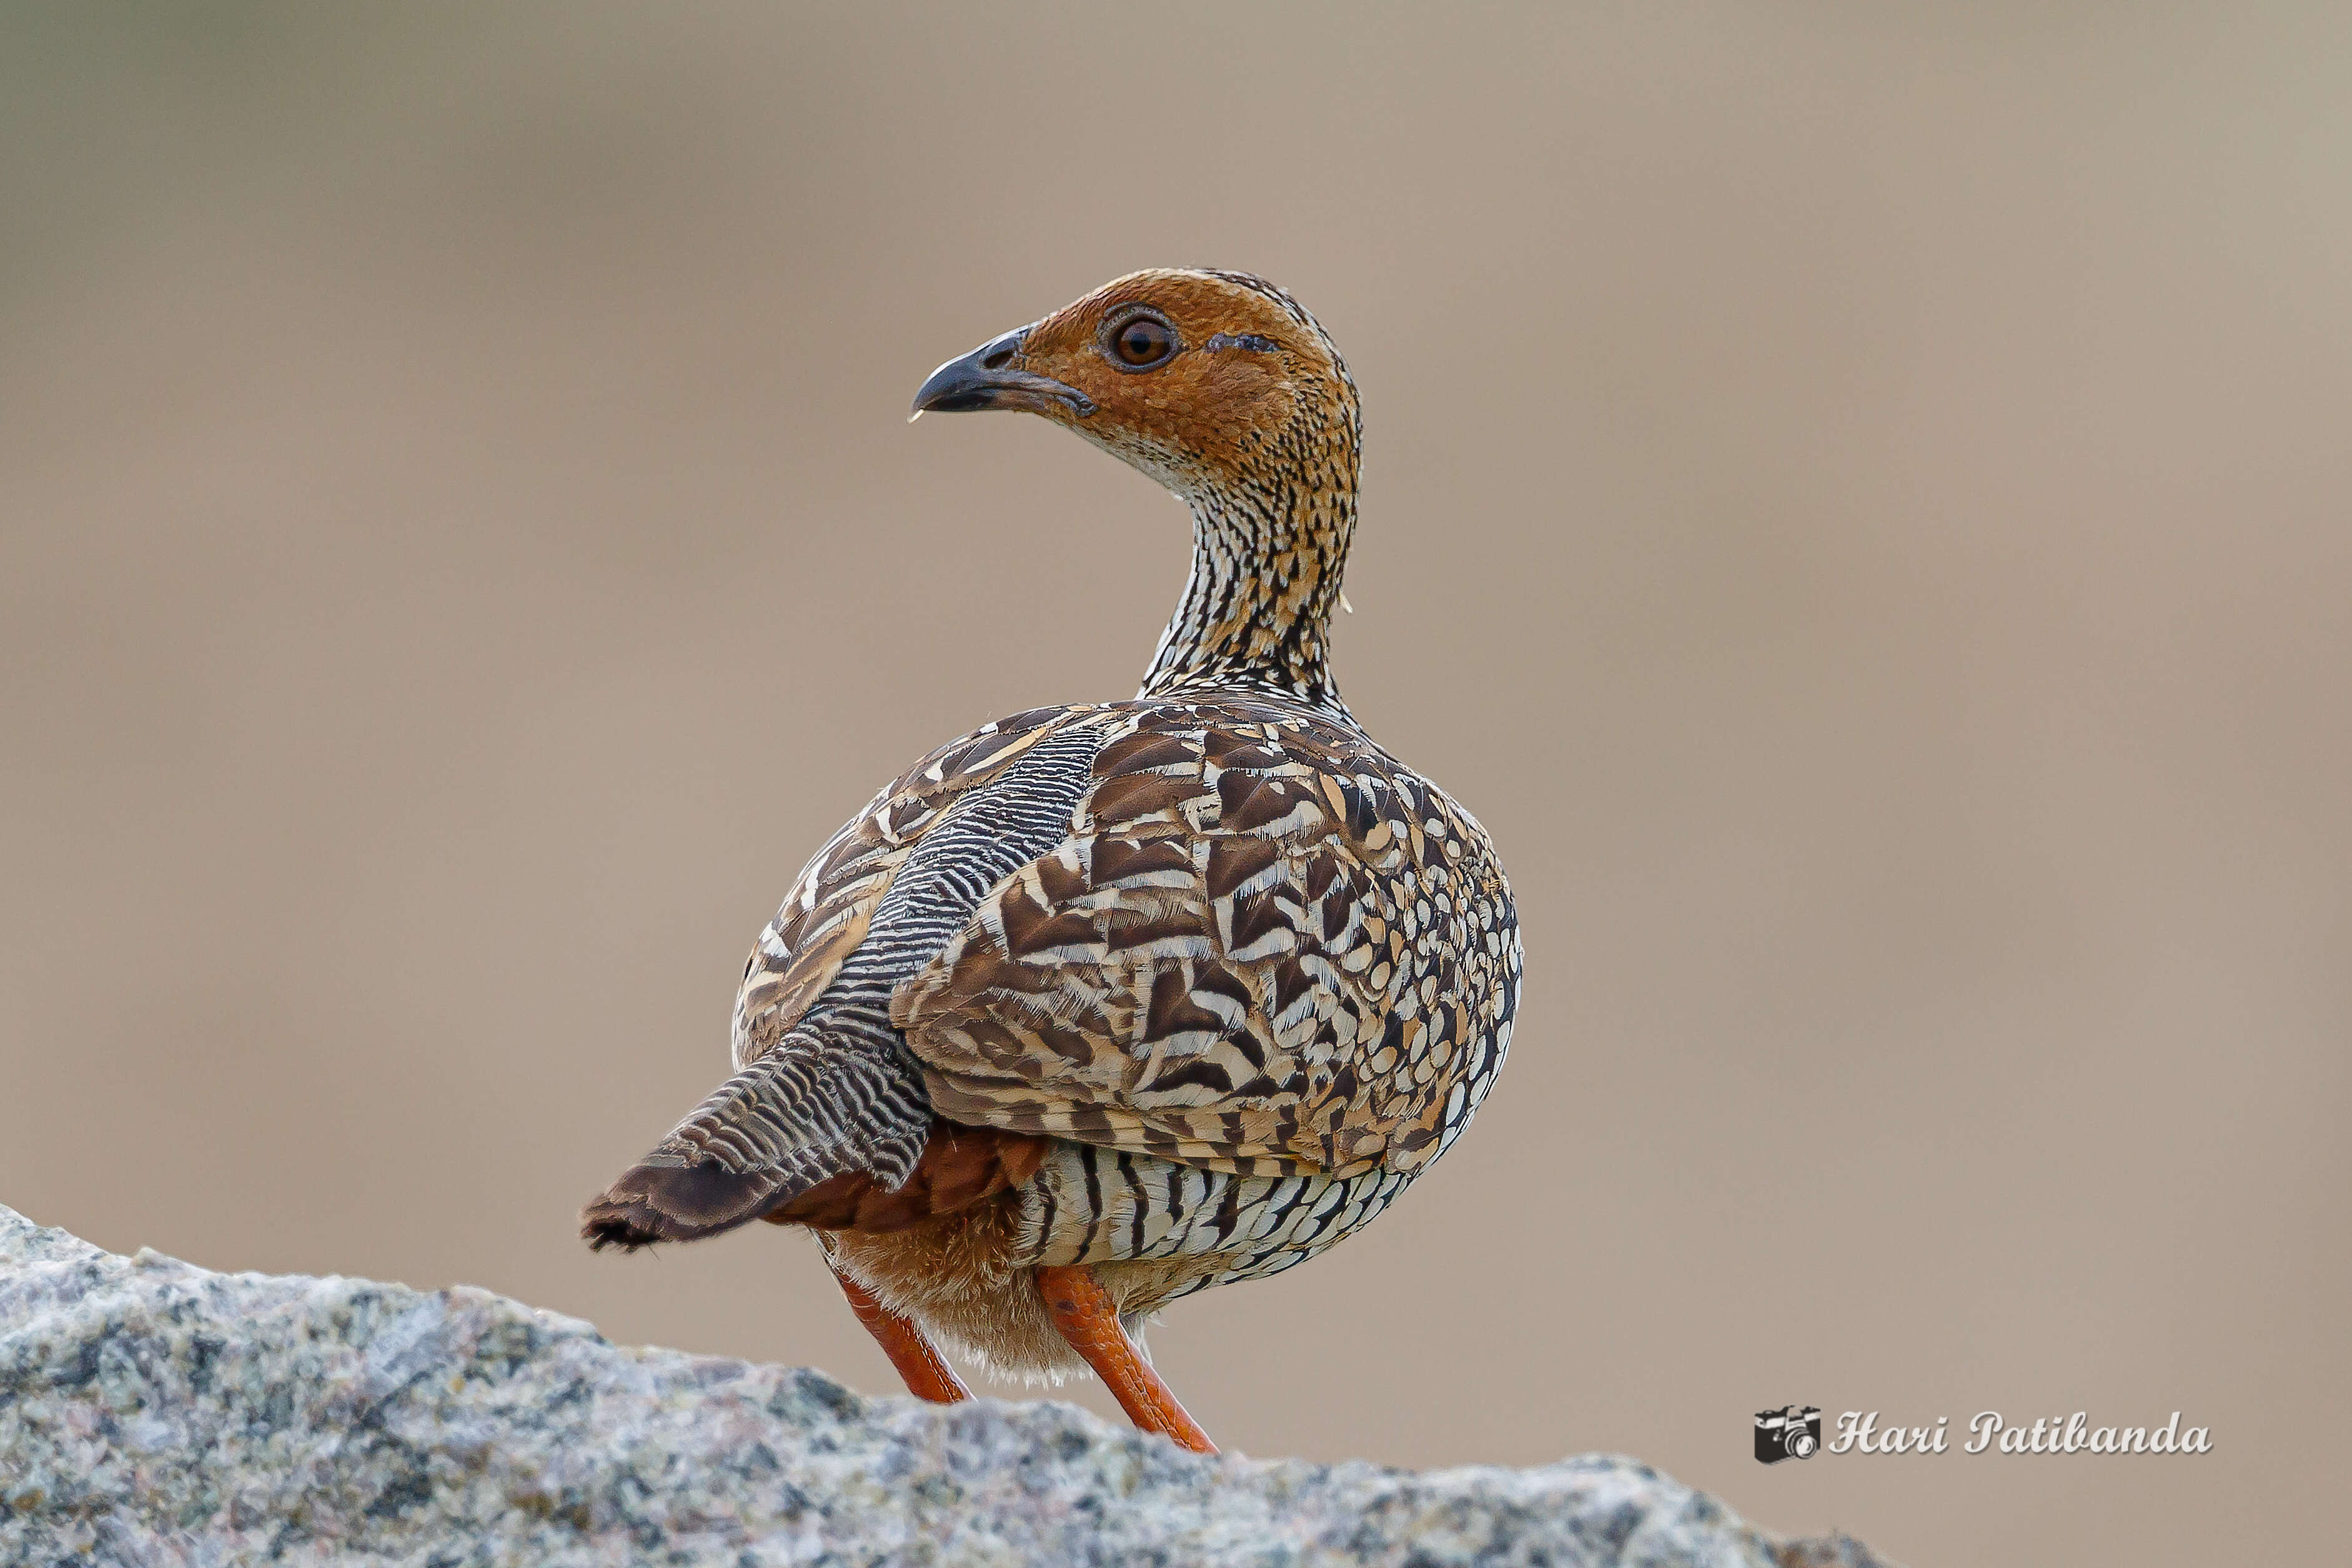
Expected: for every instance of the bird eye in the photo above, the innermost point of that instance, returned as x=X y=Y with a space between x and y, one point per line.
x=1141 y=342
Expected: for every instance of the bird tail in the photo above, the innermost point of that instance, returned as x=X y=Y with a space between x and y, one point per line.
x=808 y=1110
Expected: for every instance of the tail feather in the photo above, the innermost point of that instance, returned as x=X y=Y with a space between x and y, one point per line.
x=807 y=1112
x=653 y=1202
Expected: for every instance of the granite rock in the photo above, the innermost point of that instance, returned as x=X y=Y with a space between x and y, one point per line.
x=152 y=1411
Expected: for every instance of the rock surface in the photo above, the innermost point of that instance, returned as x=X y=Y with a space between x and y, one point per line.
x=152 y=1411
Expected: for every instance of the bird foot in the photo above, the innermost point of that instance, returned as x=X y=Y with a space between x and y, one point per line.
x=1085 y=1315
x=926 y=1371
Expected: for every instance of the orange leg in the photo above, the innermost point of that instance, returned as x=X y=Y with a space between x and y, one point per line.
x=1085 y=1314
x=927 y=1373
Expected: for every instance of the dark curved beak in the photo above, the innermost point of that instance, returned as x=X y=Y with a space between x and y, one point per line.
x=991 y=377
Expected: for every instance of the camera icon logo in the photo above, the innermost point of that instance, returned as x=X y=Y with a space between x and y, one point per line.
x=1790 y=1433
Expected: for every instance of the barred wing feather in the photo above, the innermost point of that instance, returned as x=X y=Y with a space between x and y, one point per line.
x=1265 y=948
x=826 y=915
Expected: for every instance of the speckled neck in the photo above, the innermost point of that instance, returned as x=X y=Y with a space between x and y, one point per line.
x=1269 y=549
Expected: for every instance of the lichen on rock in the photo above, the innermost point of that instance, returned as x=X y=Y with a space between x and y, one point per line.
x=153 y=1412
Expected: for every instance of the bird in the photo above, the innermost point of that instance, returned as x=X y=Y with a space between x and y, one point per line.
x=1101 y=1006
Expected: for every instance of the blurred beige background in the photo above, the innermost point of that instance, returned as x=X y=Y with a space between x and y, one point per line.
x=1859 y=504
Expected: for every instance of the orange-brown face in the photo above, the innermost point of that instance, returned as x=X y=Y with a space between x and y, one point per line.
x=1185 y=375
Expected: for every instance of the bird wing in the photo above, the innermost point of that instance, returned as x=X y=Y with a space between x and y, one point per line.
x=827 y=913
x=1265 y=947
x=826 y=1109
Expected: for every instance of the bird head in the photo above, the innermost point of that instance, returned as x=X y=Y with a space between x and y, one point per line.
x=1214 y=383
